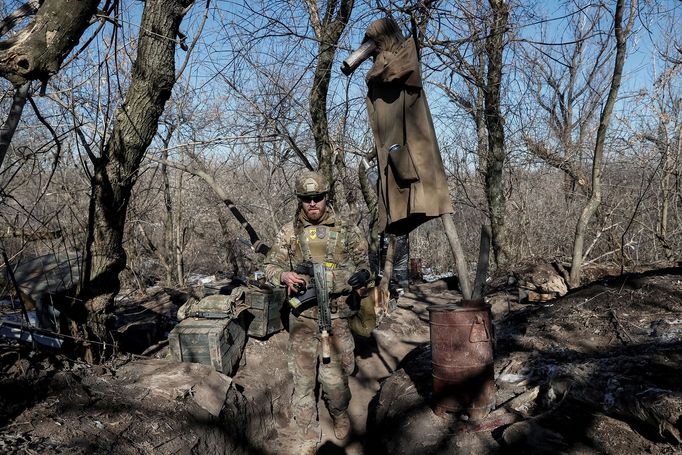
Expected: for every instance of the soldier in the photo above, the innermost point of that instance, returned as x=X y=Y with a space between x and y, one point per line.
x=317 y=235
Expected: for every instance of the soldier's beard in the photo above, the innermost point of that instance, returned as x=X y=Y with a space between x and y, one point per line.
x=314 y=214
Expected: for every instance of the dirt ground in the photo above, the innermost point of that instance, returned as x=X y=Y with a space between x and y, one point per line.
x=596 y=371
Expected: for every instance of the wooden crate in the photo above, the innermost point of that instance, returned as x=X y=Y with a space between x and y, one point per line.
x=264 y=307
x=215 y=342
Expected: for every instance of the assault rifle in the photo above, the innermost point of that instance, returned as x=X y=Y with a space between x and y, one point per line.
x=324 y=315
x=320 y=292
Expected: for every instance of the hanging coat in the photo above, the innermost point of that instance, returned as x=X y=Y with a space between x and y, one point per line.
x=412 y=183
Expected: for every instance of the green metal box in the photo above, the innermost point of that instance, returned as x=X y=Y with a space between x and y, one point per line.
x=265 y=307
x=215 y=342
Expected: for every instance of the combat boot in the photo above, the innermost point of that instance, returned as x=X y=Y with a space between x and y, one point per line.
x=341 y=425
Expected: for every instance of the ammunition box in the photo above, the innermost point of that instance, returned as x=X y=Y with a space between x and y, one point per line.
x=215 y=342
x=265 y=307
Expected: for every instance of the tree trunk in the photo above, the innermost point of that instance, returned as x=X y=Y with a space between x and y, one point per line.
x=115 y=172
x=668 y=164
x=369 y=194
x=595 y=196
x=179 y=243
x=388 y=264
x=167 y=253
x=478 y=116
x=318 y=113
x=458 y=253
x=483 y=262
x=328 y=30
x=10 y=126
x=494 y=182
x=37 y=51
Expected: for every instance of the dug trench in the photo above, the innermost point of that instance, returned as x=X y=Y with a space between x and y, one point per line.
x=595 y=371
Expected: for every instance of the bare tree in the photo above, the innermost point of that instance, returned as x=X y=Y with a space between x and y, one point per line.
x=328 y=29
x=37 y=51
x=471 y=45
x=249 y=126
x=667 y=141
x=494 y=179
x=621 y=32
x=568 y=80
x=116 y=170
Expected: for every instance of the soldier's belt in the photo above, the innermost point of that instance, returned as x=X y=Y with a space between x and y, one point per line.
x=306 y=267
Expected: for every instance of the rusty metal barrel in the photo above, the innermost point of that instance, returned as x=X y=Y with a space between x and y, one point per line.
x=462 y=359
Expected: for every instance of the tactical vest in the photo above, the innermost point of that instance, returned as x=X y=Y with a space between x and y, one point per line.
x=321 y=243
x=328 y=245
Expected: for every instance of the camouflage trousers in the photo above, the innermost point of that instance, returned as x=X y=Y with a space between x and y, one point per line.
x=305 y=364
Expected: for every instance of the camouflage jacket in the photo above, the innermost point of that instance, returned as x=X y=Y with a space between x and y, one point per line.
x=333 y=241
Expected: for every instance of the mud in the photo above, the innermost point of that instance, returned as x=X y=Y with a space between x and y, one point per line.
x=595 y=371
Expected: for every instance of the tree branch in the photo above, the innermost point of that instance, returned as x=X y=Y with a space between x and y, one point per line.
x=37 y=51
x=25 y=10
x=257 y=245
x=557 y=161
x=10 y=126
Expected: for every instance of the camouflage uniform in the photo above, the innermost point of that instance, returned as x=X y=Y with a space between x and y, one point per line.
x=343 y=247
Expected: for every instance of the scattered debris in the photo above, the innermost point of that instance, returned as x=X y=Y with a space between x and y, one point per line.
x=539 y=283
x=430 y=277
x=594 y=371
x=565 y=373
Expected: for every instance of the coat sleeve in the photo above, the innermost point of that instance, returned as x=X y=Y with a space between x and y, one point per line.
x=357 y=259
x=358 y=249
x=277 y=260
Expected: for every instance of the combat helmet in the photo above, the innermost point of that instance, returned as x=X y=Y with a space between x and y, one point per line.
x=310 y=183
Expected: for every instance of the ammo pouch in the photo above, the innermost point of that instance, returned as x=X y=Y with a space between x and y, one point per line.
x=216 y=306
x=401 y=161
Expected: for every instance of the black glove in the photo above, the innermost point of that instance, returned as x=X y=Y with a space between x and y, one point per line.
x=359 y=279
x=304 y=268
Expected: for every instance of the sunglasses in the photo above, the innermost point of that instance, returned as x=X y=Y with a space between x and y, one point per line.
x=313 y=198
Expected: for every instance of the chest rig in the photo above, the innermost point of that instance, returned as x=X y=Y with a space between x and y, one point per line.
x=326 y=245
x=319 y=243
